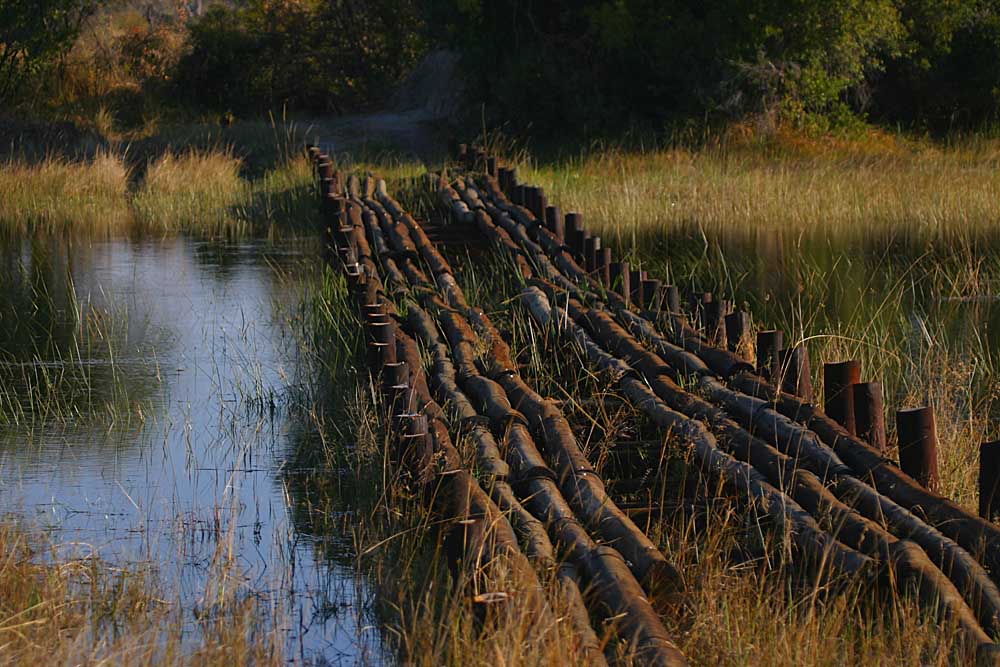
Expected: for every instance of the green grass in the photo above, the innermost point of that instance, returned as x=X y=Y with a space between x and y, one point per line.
x=880 y=248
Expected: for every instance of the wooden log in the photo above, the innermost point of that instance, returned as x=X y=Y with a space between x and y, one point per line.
x=714 y=313
x=917 y=436
x=738 y=334
x=795 y=373
x=696 y=307
x=603 y=272
x=910 y=565
x=555 y=223
x=989 y=480
x=620 y=279
x=971 y=532
x=652 y=294
x=672 y=299
x=591 y=247
x=769 y=346
x=869 y=417
x=839 y=378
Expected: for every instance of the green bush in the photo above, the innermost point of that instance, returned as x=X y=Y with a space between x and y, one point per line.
x=577 y=65
x=328 y=56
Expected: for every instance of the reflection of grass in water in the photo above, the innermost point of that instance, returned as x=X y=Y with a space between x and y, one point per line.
x=68 y=364
x=882 y=251
x=61 y=609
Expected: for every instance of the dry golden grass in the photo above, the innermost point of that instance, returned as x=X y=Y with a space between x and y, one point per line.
x=788 y=183
x=878 y=248
x=78 y=610
x=191 y=190
x=57 y=194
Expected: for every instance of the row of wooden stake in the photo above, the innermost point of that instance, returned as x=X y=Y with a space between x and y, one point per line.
x=857 y=406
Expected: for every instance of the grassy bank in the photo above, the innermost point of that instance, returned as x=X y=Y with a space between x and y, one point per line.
x=249 y=178
x=879 y=248
x=191 y=191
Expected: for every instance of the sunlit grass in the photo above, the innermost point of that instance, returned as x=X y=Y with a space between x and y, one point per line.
x=190 y=190
x=57 y=194
x=628 y=195
x=878 y=248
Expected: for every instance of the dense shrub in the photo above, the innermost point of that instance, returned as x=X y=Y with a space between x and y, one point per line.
x=604 y=63
x=325 y=56
x=34 y=33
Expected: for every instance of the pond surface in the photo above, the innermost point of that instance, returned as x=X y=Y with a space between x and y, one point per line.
x=153 y=402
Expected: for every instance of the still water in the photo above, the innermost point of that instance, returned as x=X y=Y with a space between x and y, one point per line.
x=153 y=398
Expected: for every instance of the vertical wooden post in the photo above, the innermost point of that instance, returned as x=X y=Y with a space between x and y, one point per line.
x=697 y=302
x=989 y=480
x=738 y=333
x=575 y=232
x=541 y=203
x=769 y=345
x=491 y=165
x=918 y=444
x=635 y=286
x=714 y=313
x=512 y=178
x=795 y=372
x=619 y=279
x=652 y=294
x=869 y=418
x=519 y=195
x=591 y=246
x=672 y=299
x=604 y=266
x=839 y=378
x=554 y=223
x=579 y=244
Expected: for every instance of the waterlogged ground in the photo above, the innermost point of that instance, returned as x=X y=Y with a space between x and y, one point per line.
x=154 y=406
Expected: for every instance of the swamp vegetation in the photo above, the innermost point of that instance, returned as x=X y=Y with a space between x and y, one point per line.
x=190 y=452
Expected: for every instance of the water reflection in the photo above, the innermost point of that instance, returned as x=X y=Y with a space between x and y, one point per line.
x=149 y=403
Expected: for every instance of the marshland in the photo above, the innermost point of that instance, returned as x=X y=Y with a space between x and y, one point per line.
x=199 y=459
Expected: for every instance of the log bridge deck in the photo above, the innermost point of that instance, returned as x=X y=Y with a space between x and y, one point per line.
x=528 y=502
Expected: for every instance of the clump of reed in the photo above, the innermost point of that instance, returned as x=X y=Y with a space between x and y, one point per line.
x=57 y=194
x=191 y=190
x=821 y=188
x=59 y=608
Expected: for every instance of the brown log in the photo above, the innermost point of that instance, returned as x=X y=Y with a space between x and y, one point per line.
x=869 y=420
x=917 y=436
x=989 y=480
x=795 y=373
x=839 y=379
x=738 y=334
x=769 y=346
x=974 y=534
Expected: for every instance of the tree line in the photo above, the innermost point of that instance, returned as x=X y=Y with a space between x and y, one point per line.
x=589 y=65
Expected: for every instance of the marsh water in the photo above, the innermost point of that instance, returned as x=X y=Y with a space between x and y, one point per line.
x=155 y=411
